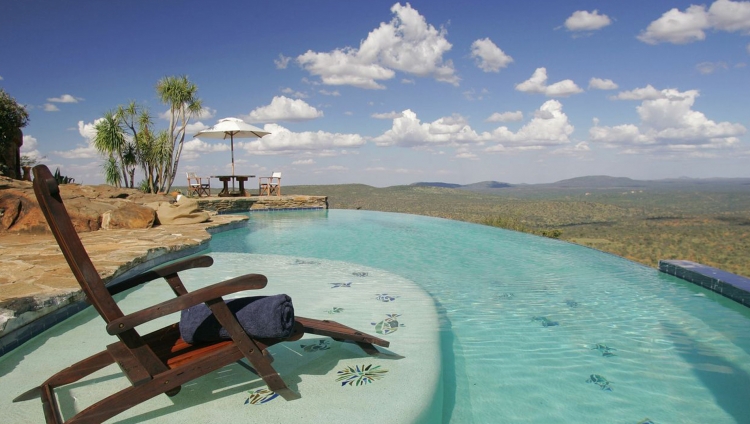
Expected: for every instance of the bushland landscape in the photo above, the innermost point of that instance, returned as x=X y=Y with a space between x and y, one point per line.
x=701 y=220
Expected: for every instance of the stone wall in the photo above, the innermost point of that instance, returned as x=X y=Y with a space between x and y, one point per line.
x=242 y=204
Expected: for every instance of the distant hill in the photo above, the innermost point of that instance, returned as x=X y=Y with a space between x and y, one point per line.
x=597 y=183
x=431 y=184
x=475 y=186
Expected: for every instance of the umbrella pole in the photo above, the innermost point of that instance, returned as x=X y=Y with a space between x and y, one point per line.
x=231 y=137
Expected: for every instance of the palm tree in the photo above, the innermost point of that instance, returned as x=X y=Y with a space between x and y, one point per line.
x=181 y=96
x=110 y=140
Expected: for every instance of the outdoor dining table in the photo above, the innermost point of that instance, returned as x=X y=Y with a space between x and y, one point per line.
x=225 y=180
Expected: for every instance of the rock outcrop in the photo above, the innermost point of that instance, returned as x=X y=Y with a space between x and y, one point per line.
x=90 y=207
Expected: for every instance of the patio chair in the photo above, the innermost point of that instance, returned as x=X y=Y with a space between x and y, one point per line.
x=161 y=361
x=196 y=186
x=268 y=186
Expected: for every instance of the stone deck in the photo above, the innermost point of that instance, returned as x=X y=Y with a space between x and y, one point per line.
x=37 y=288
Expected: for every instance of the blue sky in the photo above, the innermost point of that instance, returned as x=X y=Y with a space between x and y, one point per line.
x=387 y=93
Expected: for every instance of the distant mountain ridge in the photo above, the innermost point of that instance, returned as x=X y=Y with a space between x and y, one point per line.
x=590 y=182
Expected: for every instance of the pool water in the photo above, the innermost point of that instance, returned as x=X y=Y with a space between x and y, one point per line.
x=538 y=330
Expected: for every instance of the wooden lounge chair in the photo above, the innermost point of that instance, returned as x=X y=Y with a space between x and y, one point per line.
x=160 y=362
x=269 y=186
x=197 y=186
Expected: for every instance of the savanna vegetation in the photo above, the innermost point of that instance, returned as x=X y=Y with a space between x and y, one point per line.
x=706 y=222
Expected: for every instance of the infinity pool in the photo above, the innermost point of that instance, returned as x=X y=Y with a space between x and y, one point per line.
x=538 y=330
x=486 y=326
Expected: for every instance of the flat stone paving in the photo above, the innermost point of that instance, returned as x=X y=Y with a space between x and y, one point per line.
x=36 y=280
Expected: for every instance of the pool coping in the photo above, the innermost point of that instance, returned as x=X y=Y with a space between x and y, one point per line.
x=732 y=286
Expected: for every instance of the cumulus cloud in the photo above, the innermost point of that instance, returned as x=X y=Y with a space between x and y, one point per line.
x=488 y=56
x=549 y=127
x=283 y=141
x=49 y=107
x=303 y=162
x=29 y=148
x=602 y=84
x=193 y=149
x=65 y=98
x=679 y=27
x=669 y=124
x=282 y=62
x=83 y=151
x=505 y=117
x=283 y=108
x=409 y=131
x=583 y=20
x=407 y=43
x=386 y=115
x=646 y=93
x=538 y=84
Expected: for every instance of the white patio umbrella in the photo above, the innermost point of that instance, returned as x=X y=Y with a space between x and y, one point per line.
x=231 y=128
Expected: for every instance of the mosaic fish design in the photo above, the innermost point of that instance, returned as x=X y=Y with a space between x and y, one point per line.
x=337 y=285
x=646 y=421
x=302 y=262
x=600 y=381
x=506 y=296
x=335 y=310
x=360 y=375
x=260 y=396
x=546 y=322
x=316 y=347
x=604 y=349
x=359 y=274
x=388 y=325
x=571 y=303
x=385 y=297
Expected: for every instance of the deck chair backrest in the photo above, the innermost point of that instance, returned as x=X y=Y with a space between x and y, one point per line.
x=48 y=195
x=276 y=175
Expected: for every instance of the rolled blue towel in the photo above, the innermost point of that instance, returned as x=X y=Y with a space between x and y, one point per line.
x=260 y=316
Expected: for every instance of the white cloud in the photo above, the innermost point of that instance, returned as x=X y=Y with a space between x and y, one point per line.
x=49 y=107
x=678 y=27
x=472 y=95
x=83 y=151
x=1 y=78
x=193 y=149
x=748 y=48
x=195 y=127
x=386 y=115
x=602 y=84
x=303 y=162
x=646 y=93
x=283 y=141
x=334 y=93
x=488 y=56
x=706 y=68
x=65 y=98
x=505 y=117
x=582 y=20
x=205 y=113
x=282 y=62
x=669 y=124
x=549 y=126
x=29 y=148
x=411 y=81
x=406 y=43
x=284 y=109
x=409 y=131
x=537 y=84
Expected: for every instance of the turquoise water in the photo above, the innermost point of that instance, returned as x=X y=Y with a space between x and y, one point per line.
x=521 y=318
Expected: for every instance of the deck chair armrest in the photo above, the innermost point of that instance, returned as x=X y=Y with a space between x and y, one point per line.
x=216 y=291
x=161 y=272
